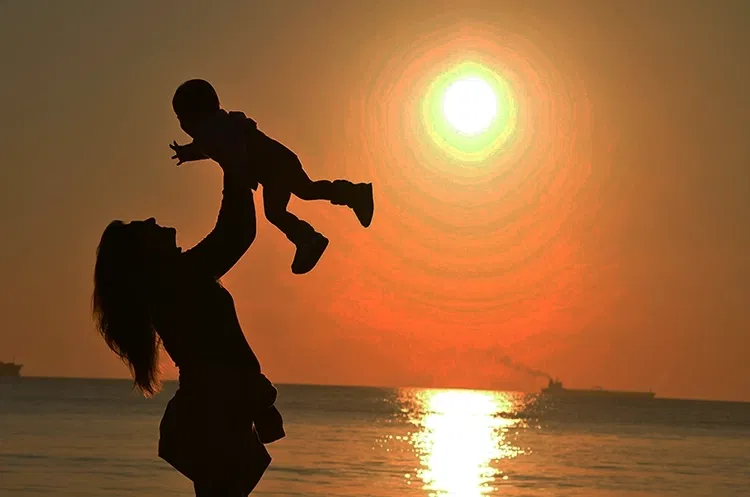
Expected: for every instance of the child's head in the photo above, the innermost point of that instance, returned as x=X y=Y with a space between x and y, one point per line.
x=193 y=101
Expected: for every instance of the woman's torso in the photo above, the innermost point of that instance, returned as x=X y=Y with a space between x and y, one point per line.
x=197 y=322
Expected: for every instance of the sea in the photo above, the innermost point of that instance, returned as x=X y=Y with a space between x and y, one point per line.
x=80 y=437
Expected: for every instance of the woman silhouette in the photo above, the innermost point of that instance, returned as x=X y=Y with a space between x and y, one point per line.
x=148 y=293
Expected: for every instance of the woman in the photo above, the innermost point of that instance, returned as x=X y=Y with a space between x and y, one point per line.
x=149 y=293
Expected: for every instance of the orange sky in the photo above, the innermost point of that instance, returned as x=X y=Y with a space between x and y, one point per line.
x=607 y=245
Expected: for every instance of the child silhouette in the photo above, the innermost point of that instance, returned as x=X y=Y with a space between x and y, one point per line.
x=231 y=137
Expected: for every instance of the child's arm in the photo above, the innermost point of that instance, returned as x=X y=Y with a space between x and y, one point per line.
x=187 y=153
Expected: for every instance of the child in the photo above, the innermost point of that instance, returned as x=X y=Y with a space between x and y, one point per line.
x=231 y=136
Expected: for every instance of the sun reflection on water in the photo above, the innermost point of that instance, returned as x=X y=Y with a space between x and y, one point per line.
x=460 y=434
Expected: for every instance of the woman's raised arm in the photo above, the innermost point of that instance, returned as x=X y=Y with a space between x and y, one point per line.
x=234 y=231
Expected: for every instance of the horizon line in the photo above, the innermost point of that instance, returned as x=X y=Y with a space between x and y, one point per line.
x=336 y=385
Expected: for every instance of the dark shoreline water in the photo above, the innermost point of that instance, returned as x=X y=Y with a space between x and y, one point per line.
x=97 y=437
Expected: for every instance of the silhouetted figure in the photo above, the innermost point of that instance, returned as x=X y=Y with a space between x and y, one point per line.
x=232 y=137
x=147 y=293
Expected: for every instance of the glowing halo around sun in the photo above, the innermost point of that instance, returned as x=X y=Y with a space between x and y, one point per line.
x=472 y=232
x=469 y=112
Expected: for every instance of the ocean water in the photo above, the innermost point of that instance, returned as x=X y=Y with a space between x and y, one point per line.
x=72 y=437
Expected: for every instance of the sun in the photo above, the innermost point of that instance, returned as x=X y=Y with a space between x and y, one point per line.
x=470 y=105
x=470 y=112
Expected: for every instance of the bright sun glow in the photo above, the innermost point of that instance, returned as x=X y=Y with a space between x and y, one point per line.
x=470 y=105
x=470 y=112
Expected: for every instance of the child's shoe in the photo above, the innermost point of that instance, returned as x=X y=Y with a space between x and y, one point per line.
x=309 y=252
x=362 y=203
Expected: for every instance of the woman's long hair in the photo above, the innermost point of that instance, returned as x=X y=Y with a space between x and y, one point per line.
x=121 y=305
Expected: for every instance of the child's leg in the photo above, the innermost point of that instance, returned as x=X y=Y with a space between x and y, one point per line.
x=310 y=244
x=303 y=187
x=275 y=201
x=340 y=192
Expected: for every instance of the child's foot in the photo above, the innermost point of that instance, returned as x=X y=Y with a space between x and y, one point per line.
x=363 y=203
x=309 y=253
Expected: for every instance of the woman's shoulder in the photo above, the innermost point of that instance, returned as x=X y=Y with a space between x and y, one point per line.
x=178 y=274
x=179 y=283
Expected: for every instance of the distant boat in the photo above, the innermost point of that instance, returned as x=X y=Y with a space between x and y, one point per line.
x=556 y=389
x=10 y=369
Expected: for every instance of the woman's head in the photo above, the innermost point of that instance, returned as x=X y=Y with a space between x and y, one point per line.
x=128 y=262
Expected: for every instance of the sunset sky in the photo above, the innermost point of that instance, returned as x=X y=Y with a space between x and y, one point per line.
x=604 y=240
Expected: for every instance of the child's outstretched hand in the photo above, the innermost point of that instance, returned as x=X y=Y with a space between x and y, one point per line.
x=186 y=153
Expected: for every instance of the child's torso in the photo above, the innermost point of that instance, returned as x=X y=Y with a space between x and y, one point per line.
x=234 y=137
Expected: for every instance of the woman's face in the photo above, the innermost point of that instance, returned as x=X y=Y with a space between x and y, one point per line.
x=160 y=239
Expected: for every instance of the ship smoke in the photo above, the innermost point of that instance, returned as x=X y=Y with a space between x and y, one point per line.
x=517 y=366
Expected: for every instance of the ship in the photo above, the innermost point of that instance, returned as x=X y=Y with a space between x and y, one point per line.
x=556 y=389
x=10 y=369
